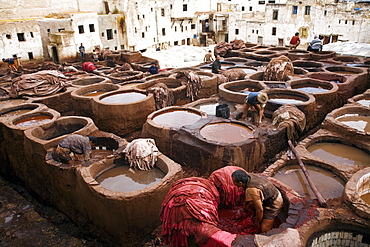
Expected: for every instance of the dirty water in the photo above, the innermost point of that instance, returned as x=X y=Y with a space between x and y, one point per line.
x=355 y=121
x=123 y=98
x=328 y=184
x=124 y=179
x=176 y=118
x=32 y=121
x=340 y=153
x=226 y=133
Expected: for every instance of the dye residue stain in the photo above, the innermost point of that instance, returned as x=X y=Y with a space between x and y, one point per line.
x=15 y=113
x=176 y=118
x=32 y=121
x=340 y=153
x=226 y=132
x=366 y=198
x=123 y=98
x=123 y=179
x=355 y=121
x=237 y=221
x=328 y=184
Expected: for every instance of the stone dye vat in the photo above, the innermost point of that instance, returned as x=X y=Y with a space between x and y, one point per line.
x=179 y=91
x=176 y=117
x=127 y=221
x=237 y=91
x=11 y=102
x=355 y=118
x=309 y=65
x=14 y=111
x=82 y=97
x=226 y=133
x=209 y=84
x=298 y=54
x=258 y=76
x=357 y=192
x=328 y=183
x=124 y=76
x=361 y=99
x=130 y=109
x=322 y=55
x=87 y=81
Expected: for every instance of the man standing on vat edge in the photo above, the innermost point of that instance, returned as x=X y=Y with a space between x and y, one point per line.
x=261 y=196
x=72 y=145
x=258 y=101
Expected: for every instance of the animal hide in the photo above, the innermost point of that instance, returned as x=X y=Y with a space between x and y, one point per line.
x=222 y=48
x=163 y=96
x=192 y=82
x=292 y=118
x=278 y=69
x=141 y=154
x=234 y=74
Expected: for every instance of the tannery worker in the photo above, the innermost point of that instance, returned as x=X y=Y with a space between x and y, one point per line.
x=261 y=196
x=153 y=69
x=216 y=65
x=75 y=144
x=257 y=100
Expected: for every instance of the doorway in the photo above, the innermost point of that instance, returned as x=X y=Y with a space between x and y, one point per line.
x=55 y=54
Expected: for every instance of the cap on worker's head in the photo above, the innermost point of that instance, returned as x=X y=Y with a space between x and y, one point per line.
x=153 y=62
x=316 y=36
x=93 y=139
x=209 y=51
x=262 y=98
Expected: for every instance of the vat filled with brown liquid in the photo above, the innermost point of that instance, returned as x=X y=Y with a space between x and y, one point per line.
x=355 y=121
x=94 y=93
x=340 y=153
x=328 y=184
x=366 y=198
x=226 y=132
x=176 y=118
x=32 y=121
x=123 y=98
x=14 y=113
x=124 y=179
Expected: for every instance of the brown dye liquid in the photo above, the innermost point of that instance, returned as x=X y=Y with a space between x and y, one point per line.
x=366 y=198
x=16 y=113
x=226 y=132
x=364 y=102
x=123 y=179
x=328 y=184
x=32 y=121
x=12 y=102
x=176 y=118
x=355 y=121
x=310 y=89
x=340 y=154
x=345 y=72
x=123 y=98
x=285 y=100
x=94 y=93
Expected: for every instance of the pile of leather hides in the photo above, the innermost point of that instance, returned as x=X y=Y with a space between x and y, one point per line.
x=141 y=154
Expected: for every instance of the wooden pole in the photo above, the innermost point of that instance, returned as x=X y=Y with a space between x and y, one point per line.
x=307 y=175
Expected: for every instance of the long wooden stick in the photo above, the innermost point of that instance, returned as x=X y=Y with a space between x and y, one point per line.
x=307 y=175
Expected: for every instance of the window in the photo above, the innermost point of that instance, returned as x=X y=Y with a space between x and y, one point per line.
x=106 y=7
x=146 y=29
x=261 y=2
x=339 y=21
x=325 y=12
x=48 y=30
x=236 y=31
x=353 y=22
x=295 y=10
x=61 y=29
x=275 y=14
x=345 y=22
x=109 y=34
x=143 y=16
x=20 y=37
x=81 y=29
x=122 y=47
x=8 y=36
x=92 y=28
x=30 y=55
x=307 y=10
x=250 y=8
x=163 y=32
x=304 y=33
x=182 y=28
x=138 y=17
x=143 y=35
x=162 y=12
x=192 y=26
x=102 y=34
x=256 y=31
x=176 y=43
x=31 y=33
x=175 y=29
x=184 y=7
x=170 y=6
x=271 y=1
x=273 y=31
x=243 y=8
x=252 y=30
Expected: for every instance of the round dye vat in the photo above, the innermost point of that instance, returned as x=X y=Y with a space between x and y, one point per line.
x=226 y=132
x=32 y=121
x=123 y=179
x=355 y=121
x=340 y=153
x=248 y=90
x=366 y=198
x=285 y=99
x=16 y=113
x=99 y=153
x=328 y=184
x=364 y=102
x=176 y=118
x=308 y=88
x=94 y=93
x=123 y=98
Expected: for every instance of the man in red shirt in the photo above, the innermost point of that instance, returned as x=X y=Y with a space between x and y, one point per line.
x=294 y=41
